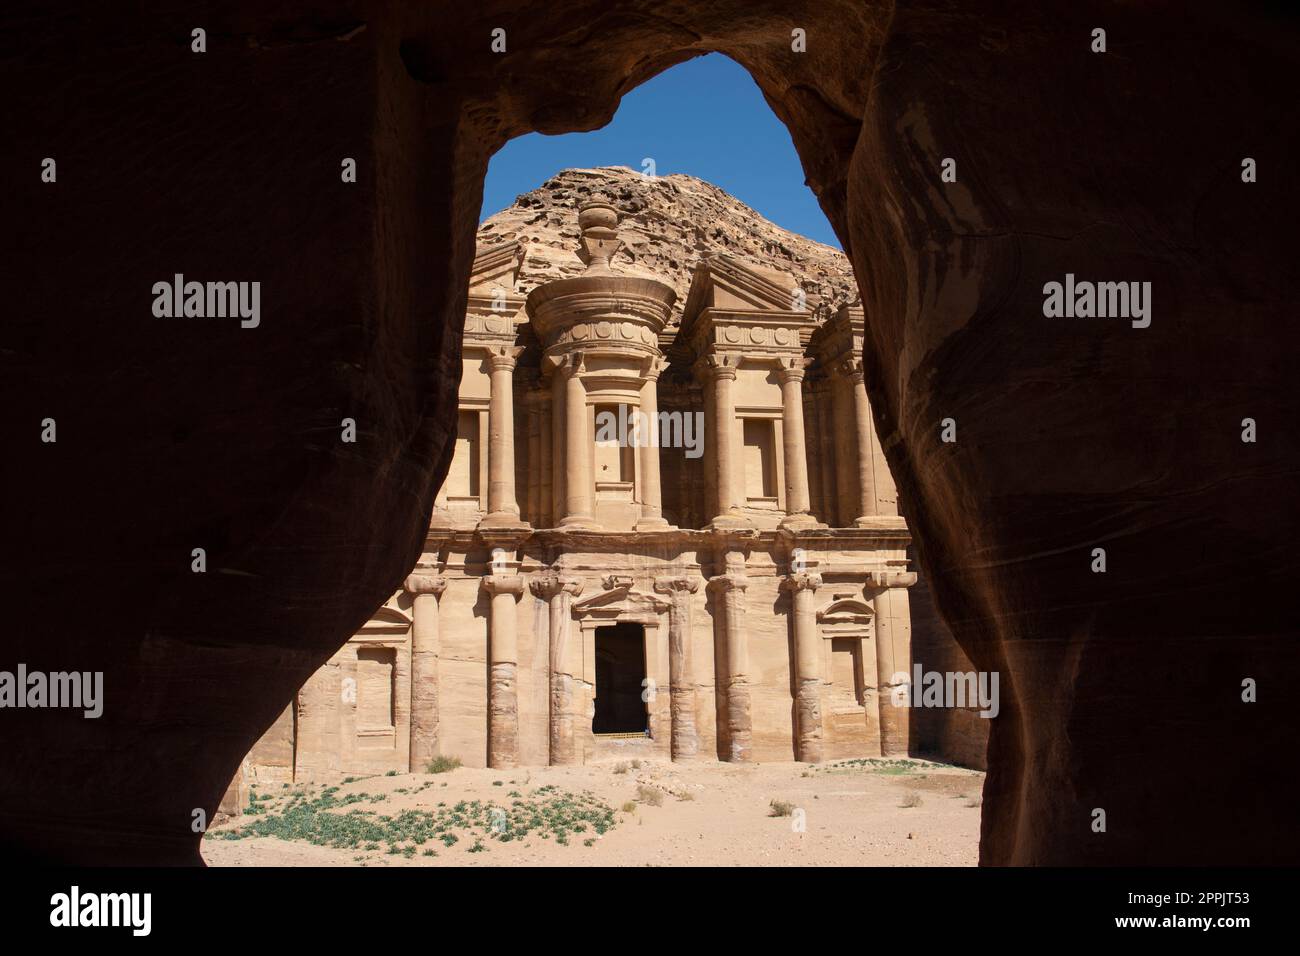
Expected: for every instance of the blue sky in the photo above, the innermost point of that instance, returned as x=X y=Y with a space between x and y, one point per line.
x=705 y=117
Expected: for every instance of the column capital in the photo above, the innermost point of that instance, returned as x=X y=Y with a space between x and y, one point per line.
x=851 y=368
x=653 y=369
x=791 y=369
x=802 y=581
x=891 y=579
x=548 y=584
x=503 y=357
x=425 y=582
x=722 y=583
x=496 y=584
x=678 y=585
x=720 y=365
x=570 y=363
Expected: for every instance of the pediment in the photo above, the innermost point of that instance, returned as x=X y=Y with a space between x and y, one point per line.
x=496 y=268
x=722 y=282
x=386 y=619
x=847 y=611
x=612 y=604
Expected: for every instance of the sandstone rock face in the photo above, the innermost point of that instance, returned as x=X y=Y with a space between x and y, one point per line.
x=1120 y=691
x=668 y=224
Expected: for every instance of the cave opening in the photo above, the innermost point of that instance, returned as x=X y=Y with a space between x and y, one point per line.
x=680 y=301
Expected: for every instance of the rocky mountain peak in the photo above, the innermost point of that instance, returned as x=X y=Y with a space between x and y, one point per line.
x=668 y=224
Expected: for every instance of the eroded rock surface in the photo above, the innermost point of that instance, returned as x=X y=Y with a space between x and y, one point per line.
x=668 y=224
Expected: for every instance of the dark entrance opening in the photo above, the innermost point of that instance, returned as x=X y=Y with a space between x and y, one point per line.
x=620 y=679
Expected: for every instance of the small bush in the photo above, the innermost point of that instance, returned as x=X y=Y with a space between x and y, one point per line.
x=629 y=807
x=911 y=799
x=780 y=808
x=442 y=764
x=621 y=767
x=650 y=795
x=686 y=795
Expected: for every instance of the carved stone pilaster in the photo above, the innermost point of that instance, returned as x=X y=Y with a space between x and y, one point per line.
x=798 y=503
x=558 y=592
x=720 y=369
x=681 y=672
x=503 y=508
x=729 y=591
x=808 y=678
x=503 y=667
x=427 y=587
x=893 y=654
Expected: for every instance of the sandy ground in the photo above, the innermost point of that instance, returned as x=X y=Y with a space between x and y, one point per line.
x=853 y=814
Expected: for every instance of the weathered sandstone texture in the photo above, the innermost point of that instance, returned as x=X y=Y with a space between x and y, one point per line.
x=668 y=224
x=1120 y=690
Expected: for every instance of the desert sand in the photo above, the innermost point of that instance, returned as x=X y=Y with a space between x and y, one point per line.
x=846 y=813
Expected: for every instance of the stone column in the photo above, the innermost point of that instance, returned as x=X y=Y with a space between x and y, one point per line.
x=863 y=431
x=825 y=439
x=847 y=498
x=547 y=493
x=893 y=656
x=577 y=458
x=807 y=666
x=797 y=500
x=652 y=515
x=681 y=670
x=722 y=373
x=729 y=594
x=503 y=667
x=559 y=446
x=558 y=592
x=532 y=467
x=502 y=506
x=427 y=586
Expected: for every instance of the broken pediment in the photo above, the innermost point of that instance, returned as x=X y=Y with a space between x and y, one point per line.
x=722 y=282
x=621 y=603
x=387 y=619
x=496 y=270
x=847 y=612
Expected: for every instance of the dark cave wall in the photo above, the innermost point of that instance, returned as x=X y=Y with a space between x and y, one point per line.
x=182 y=433
x=1080 y=433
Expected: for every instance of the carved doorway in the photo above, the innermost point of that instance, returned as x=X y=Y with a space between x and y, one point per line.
x=620 y=680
